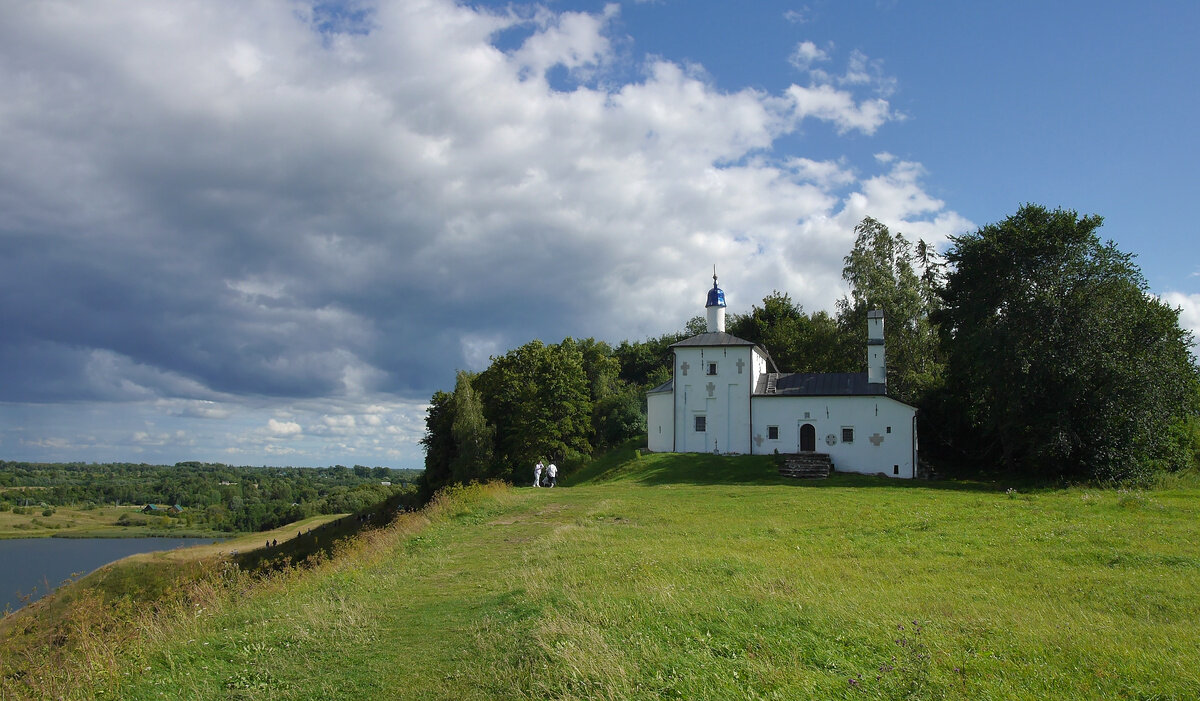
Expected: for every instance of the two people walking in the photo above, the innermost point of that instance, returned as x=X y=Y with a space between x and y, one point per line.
x=551 y=475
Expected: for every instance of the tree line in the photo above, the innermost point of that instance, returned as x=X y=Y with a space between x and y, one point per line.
x=1030 y=348
x=216 y=496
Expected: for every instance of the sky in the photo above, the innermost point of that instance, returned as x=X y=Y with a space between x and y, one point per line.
x=266 y=232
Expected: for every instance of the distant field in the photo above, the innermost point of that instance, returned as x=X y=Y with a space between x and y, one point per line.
x=700 y=577
x=98 y=522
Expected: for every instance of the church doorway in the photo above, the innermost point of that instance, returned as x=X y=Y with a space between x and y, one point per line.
x=808 y=438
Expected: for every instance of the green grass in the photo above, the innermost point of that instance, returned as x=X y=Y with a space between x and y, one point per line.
x=709 y=577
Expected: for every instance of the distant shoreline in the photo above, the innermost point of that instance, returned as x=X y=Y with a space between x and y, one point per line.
x=97 y=533
x=95 y=522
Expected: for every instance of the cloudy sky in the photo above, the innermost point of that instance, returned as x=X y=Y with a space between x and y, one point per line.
x=265 y=232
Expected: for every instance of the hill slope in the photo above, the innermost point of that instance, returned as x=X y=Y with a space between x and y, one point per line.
x=730 y=584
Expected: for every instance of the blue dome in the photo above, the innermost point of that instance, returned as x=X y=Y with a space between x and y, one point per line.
x=716 y=297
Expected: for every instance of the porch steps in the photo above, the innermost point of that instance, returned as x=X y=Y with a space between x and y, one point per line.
x=806 y=466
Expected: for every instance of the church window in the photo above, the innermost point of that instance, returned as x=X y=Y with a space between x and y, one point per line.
x=847 y=434
x=889 y=429
x=895 y=469
x=773 y=433
x=712 y=368
x=701 y=424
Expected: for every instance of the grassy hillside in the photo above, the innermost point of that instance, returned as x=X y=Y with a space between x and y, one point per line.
x=666 y=576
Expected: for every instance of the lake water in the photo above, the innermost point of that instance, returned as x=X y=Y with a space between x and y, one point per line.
x=30 y=566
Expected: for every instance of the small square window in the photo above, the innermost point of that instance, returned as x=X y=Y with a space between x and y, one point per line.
x=847 y=434
x=773 y=433
x=700 y=424
x=712 y=368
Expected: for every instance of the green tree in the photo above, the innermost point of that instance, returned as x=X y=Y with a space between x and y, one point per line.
x=472 y=433
x=796 y=341
x=647 y=363
x=538 y=399
x=440 y=449
x=1059 y=359
x=881 y=271
x=601 y=366
x=619 y=417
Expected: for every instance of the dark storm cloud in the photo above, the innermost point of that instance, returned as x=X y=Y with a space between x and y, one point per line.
x=216 y=202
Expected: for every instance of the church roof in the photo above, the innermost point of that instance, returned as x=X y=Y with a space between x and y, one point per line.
x=716 y=296
x=713 y=339
x=667 y=386
x=818 y=384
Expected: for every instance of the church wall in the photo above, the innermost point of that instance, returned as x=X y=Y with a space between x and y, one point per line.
x=722 y=399
x=873 y=449
x=660 y=426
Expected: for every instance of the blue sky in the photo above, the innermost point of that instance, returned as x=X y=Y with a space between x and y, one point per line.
x=265 y=233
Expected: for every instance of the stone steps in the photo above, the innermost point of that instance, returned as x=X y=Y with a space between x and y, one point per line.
x=806 y=466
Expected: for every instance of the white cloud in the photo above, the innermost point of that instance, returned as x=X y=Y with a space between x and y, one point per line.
x=283 y=428
x=861 y=70
x=805 y=54
x=1189 y=310
x=574 y=40
x=839 y=107
x=798 y=15
x=826 y=174
x=244 y=215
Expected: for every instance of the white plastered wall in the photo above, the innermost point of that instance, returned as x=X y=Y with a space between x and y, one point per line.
x=875 y=448
x=660 y=427
x=723 y=399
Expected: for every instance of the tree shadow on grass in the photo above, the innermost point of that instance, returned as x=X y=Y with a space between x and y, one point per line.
x=704 y=469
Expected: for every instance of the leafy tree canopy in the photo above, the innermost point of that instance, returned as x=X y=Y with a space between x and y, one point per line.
x=1059 y=358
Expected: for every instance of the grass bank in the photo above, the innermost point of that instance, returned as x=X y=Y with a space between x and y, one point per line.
x=705 y=577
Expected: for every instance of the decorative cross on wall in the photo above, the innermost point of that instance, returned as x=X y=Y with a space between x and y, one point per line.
x=876 y=439
x=758 y=439
x=683 y=367
x=740 y=364
x=711 y=388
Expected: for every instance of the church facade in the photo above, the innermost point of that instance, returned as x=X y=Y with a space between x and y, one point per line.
x=727 y=396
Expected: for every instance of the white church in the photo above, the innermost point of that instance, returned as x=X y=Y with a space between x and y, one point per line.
x=727 y=396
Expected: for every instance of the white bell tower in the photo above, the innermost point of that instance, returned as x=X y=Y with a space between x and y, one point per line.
x=716 y=307
x=876 y=360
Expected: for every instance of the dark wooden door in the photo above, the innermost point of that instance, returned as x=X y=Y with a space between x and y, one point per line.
x=808 y=438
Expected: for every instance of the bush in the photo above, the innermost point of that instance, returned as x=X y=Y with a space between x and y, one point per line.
x=48 y=511
x=132 y=520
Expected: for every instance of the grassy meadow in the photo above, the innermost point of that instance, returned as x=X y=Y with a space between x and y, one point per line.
x=94 y=522
x=694 y=577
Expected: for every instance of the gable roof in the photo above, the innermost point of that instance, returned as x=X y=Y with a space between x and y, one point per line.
x=718 y=338
x=667 y=386
x=818 y=384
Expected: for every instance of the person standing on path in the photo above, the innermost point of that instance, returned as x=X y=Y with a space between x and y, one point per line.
x=537 y=474
x=551 y=473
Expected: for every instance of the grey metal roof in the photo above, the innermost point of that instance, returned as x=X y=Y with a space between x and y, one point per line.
x=713 y=339
x=818 y=384
x=667 y=386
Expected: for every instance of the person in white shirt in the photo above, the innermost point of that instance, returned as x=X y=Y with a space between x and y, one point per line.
x=537 y=474
x=551 y=473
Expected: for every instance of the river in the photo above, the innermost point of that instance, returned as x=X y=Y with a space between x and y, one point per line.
x=30 y=566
